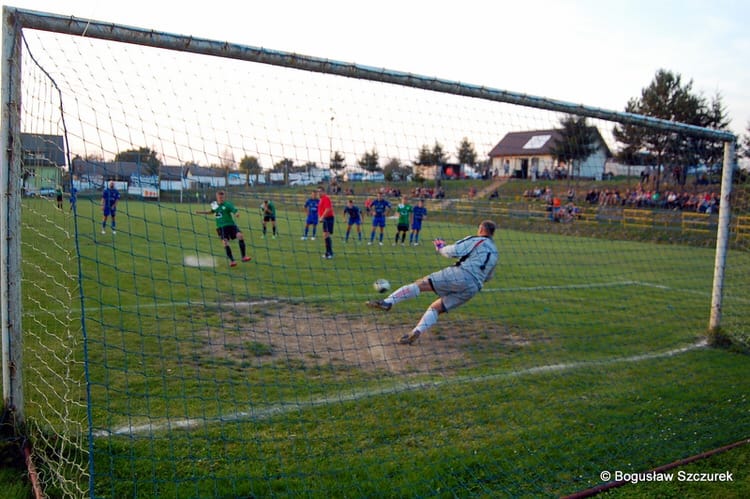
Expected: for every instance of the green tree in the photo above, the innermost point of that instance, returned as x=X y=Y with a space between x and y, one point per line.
x=746 y=144
x=394 y=170
x=310 y=165
x=667 y=97
x=577 y=141
x=338 y=162
x=435 y=156
x=467 y=155
x=284 y=166
x=249 y=165
x=370 y=161
x=691 y=151
x=425 y=156
x=143 y=156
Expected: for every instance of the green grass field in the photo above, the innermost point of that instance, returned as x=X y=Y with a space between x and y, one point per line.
x=584 y=354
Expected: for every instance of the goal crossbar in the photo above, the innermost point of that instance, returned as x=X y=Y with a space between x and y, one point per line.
x=157 y=39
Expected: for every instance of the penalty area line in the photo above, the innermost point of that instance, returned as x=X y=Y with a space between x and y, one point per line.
x=257 y=414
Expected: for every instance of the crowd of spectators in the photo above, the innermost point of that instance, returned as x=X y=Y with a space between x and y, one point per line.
x=703 y=202
x=428 y=193
x=700 y=202
x=393 y=192
x=564 y=208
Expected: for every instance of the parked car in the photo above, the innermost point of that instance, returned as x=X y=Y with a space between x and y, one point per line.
x=47 y=192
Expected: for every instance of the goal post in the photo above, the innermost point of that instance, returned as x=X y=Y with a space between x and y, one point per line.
x=157 y=353
x=722 y=237
x=10 y=247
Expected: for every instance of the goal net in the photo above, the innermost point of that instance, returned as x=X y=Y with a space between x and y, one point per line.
x=154 y=366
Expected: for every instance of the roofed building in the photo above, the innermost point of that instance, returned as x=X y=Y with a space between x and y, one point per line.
x=43 y=161
x=89 y=174
x=530 y=154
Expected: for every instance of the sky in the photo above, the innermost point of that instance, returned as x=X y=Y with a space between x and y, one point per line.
x=599 y=53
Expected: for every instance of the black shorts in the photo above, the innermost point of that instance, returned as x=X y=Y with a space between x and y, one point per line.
x=402 y=227
x=328 y=225
x=228 y=232
x=269 y=218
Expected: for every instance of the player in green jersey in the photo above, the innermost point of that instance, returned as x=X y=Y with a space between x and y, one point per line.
x=226 y=228
x=404 y=210
x=268 y=210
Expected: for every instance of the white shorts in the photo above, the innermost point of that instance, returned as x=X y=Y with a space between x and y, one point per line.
x=454 y=285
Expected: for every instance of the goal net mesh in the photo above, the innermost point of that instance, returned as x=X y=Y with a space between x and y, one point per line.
x=153 y=368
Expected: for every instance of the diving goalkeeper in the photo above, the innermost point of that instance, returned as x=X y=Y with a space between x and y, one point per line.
x=455 y=285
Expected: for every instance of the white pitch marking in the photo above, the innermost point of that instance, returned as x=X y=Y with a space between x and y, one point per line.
x=285 y=407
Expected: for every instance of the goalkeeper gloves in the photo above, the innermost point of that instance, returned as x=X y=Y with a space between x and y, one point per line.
x=439 y=244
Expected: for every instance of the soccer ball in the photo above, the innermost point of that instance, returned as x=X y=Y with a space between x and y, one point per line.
x=381 y=285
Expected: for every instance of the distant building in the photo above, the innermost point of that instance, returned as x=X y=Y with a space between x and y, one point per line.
x=43 y=161
x=89 y=174
x=444 y=171
x=40 y=146
x=357 y=174
x=207 y=177
x=174 y=178
x=529 y=155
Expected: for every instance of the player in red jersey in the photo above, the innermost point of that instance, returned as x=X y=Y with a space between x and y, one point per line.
x=326 y=216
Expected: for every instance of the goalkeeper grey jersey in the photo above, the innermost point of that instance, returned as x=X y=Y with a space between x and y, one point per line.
x=477 y=256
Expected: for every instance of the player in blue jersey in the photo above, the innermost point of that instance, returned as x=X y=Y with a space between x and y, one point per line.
x=379 y=209
x=355 y=218
x=110 y=197
x=311 y=208
x=73 y=198
x=418 y=213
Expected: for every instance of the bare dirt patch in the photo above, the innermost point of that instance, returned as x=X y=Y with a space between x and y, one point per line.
x=274 y=332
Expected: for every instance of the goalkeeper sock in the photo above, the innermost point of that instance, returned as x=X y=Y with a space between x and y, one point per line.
x=242 y=248
x=406 y=292
x=429 y=318
x=229 y=252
